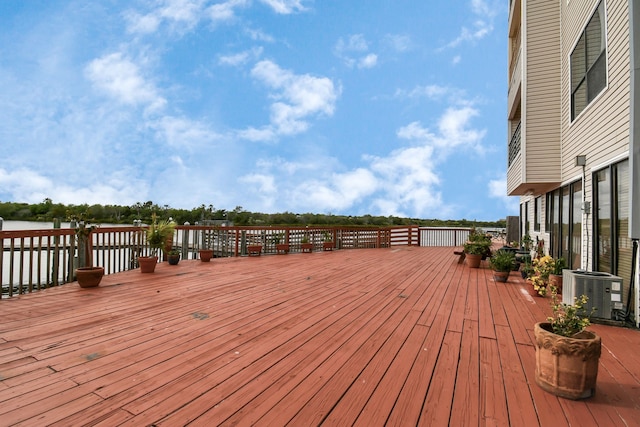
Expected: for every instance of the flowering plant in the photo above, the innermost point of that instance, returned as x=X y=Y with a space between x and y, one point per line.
x=569 y=319
x=542 y=267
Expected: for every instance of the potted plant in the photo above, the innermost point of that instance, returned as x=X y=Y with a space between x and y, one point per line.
x=305 y=245
x=87 y=275
x=158 y=233
x=526 y=269
x=327 y=244
x=542 y=267
x=281 y=248
x=173 y=256
x=567 y=355
x=555 y=276
x=502 y=263
x=206 y=253
x=476 y=248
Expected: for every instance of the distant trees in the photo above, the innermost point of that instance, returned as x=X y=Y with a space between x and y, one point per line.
x=47 y=211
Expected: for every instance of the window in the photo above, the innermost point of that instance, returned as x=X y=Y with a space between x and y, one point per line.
x=589 y=63
x=537 y=214
x=564 y=207
x=524 y=217
x=612 y=246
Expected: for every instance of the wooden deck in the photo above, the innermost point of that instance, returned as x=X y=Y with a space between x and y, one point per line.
x=400 y=336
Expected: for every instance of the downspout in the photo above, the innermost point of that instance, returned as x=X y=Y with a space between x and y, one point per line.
x=634 y=147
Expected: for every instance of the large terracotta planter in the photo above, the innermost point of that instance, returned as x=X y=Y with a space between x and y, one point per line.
x=89 y=277
x=567 y=367
x=327 y=246
x=473 y=261
x=306 y=247
x=205 y=255
x=147 y=263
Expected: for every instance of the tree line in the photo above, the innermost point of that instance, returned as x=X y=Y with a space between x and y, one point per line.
x=114 y=214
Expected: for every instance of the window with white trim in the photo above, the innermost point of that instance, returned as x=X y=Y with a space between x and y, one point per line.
x=589 y=63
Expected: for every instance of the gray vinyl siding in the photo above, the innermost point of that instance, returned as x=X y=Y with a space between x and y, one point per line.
x=541 y=106
x=601 y=131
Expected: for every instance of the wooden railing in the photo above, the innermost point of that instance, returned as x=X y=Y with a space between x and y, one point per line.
x=38 y=259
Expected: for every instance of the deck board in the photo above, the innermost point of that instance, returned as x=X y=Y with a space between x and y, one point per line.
x=396 y=336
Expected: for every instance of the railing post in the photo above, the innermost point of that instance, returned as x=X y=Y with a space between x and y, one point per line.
x=56 y=254
x=185 y=242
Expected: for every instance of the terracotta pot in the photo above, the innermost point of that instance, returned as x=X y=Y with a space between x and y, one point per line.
x=327 y=246
x=473 y=261
x=254 y=250
x=567 y=367
x=306 y=247
x=206 y=255
x=556 y=280
x=89 y=277
x=147 y=263
x=282 y=248
x=501 y=276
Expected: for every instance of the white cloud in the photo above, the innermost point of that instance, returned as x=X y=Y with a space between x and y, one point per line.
x=225 y=11
x=29 y=186
x=497 y=189
x=240 y=58
x=120 y=78
x=353 y=51
x=355 y=43
x=482 y=25
x=285 y=7
x=453 y=131
x=297 y=98
x=368 y=61
x=183 y=133
x=428 y=91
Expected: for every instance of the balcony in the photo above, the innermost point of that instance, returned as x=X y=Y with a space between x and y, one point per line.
x=514 y=144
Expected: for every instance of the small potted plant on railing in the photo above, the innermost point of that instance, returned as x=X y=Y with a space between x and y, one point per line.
x=502 y=263
x=567 y=355
x=87 y=275
x=158 y=233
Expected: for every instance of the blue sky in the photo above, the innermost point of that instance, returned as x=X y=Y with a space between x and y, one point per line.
x=327 y=106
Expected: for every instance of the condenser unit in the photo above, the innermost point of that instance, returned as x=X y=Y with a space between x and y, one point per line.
x=603 y=289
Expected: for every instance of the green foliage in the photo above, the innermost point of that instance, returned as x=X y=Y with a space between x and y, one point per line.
x=158 y=233
x=569 y=319
x=478 y=243
x=48 y=210
x=502 y=261
x=558 y=265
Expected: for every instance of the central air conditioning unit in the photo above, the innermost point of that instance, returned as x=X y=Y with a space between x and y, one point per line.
x=603 y=289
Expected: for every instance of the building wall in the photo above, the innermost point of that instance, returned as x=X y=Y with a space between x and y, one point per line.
x=541 y=136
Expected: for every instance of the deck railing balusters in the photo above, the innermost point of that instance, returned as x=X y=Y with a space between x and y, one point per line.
x=23 y=269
